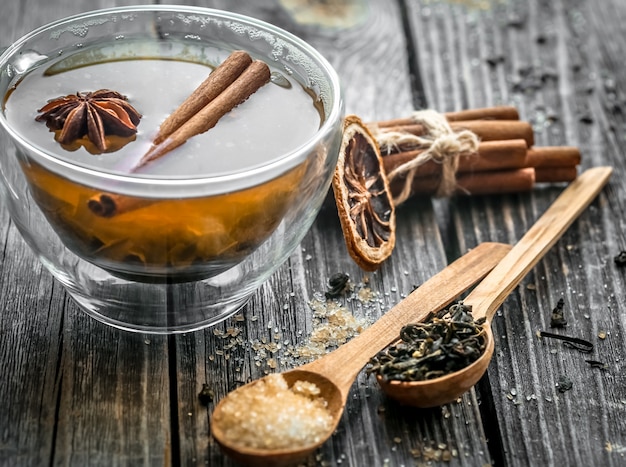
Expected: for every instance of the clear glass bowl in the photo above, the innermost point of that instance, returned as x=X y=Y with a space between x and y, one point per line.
x=163 y=293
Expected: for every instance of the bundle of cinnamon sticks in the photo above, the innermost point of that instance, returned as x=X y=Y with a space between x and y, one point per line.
x=506 y=160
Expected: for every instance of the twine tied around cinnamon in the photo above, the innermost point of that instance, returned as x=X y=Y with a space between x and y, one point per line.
x=441 y=144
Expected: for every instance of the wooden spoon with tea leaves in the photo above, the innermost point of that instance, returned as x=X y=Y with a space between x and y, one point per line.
x=335 y=373
x=487 y=296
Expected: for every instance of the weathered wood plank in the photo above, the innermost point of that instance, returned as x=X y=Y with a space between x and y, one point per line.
x=30 y=329
x=371 y=59
x=74 y=392
x=553 y=60
x=30 y=335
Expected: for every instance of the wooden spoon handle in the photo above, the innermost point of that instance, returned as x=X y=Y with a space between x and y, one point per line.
x=487 y=297
x=342 y=365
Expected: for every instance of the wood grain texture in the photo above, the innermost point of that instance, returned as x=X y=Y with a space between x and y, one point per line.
x=556 y=61
x=281 y=306
x=74 y=392
x=30 y=331
x=370 y=58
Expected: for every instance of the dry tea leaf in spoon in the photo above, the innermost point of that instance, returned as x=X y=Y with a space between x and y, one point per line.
x=445 y=342
x=487 y=297
x=363 y=197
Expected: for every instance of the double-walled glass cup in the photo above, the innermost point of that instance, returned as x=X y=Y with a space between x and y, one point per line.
x=193 y=249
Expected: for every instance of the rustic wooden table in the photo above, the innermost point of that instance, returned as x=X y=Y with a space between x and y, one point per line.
x=75 y=392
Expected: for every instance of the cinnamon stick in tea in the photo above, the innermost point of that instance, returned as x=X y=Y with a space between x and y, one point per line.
x=241 y=85
x=111 y=204
x=217 y=81
x=253 y=77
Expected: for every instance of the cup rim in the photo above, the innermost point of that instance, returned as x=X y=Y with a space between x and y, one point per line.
x=261 y=172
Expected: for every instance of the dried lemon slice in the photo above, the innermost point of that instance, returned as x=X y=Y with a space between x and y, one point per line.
x=363 y=198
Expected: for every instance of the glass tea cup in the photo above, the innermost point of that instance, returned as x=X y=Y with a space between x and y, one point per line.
x=189 y=251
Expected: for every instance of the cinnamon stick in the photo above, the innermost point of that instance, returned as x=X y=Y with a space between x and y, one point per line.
x=486 y=130
x=253 y=77
x=493 y=182
x=494 y=130
x=555 y=174
x=486 y=113
x=217 y=81
x=553 y=156
x=111 y=204
x=494 y=155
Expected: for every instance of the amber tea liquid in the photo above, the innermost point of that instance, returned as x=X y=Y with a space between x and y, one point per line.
x=176 y=238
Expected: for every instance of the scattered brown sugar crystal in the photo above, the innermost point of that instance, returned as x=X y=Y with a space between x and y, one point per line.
x=271 y=415
x=334 y=325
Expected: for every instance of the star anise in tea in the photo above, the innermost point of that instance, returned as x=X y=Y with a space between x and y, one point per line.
x=95 y=115
x=363 y=197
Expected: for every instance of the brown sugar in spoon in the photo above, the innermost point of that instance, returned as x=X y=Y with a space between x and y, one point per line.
x=487 y=296
x=335 y=372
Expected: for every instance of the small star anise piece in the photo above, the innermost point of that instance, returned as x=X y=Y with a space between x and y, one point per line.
x=363 y=197
x=96 y=115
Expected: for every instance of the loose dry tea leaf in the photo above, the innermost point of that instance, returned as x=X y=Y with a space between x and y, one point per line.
x=557 y=320
x=620 y=258
x=337 y=285
x=574 y=342
x=445 y=342
x=206 y=395
x=363 y=197
x=564 y=384
x=597 y=364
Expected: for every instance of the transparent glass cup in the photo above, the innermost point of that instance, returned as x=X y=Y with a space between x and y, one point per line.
x=166 y=294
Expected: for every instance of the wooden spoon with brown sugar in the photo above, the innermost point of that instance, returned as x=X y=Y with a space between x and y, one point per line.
x=334 y=374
